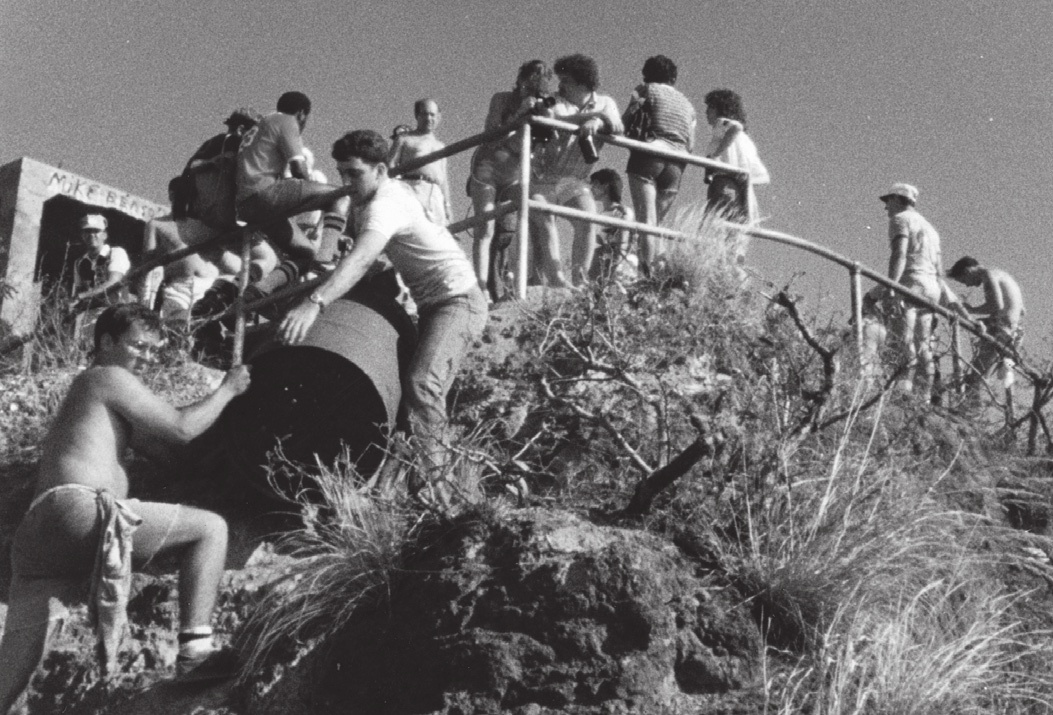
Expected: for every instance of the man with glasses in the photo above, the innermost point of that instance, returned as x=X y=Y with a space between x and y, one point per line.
x=80 y=505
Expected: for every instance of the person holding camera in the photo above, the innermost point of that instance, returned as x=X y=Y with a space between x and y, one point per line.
x=562 y=167
x=495 y=169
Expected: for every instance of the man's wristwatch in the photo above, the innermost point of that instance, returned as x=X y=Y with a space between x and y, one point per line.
x=317 y=300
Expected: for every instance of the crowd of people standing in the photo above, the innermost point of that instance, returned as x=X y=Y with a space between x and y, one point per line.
x=384 y=219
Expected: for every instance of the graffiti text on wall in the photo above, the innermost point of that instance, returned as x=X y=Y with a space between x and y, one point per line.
x=89 y=192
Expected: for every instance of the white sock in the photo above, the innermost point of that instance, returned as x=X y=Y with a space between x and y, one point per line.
x=196 y=641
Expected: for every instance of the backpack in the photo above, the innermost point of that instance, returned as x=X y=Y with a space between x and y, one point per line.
x=637 y=118
x=211 y=184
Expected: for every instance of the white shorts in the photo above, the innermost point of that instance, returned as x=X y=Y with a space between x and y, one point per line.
x=561 y=191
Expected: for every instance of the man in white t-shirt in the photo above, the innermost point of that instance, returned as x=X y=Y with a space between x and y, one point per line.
x=915 y=262
x=388 y=218
x=562 y=170
x=97 y=273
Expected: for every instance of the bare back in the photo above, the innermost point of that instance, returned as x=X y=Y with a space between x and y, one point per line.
x=1002 y=292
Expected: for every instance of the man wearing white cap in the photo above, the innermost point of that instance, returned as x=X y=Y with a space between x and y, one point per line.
x=915 y=263
x=102 y=266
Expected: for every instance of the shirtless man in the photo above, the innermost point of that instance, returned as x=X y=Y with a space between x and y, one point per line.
x=915 y=262
x=1000 y=313
x=429 y=182
x=107 y=410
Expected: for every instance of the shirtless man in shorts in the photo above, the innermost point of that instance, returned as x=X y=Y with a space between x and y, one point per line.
x=429 y=182
x=108 y=409
x=1000 y=313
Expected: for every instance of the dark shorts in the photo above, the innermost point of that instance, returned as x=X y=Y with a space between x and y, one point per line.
x=663 y=173
x=728 y=194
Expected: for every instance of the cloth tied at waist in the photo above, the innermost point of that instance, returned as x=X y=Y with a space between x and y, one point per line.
x=111 y=578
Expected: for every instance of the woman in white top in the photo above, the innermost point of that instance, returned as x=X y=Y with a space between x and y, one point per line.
x=732 y=145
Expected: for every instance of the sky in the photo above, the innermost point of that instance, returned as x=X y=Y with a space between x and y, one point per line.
x=843 y=98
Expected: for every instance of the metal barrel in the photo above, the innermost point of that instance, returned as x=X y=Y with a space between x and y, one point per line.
x=338 y=390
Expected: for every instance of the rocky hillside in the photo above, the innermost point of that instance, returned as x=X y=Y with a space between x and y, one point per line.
x=670 y=496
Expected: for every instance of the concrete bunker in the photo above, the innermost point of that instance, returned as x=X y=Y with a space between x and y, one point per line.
x=40 y=206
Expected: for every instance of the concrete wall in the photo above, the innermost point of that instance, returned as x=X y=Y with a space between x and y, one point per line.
x=26 y=186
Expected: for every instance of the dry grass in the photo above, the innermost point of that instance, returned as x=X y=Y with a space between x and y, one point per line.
x=892 y=601
x=709 y=263
x=346 y=556
x=954 y=646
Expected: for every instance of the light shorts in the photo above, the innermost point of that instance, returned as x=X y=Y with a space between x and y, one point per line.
x=561 y=191
x=925 y=285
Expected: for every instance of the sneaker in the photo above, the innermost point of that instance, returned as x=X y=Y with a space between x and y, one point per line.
x=217 y=664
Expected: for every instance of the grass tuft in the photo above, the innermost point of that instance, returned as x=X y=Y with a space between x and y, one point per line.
x=347 y=554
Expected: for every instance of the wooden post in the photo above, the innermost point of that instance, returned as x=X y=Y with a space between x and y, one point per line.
x=523 y=235
x=238 y=355
x=1010 y=412
x=857 y=307
x=956 y=354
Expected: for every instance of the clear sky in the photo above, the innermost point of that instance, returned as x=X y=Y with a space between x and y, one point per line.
x=843 y=98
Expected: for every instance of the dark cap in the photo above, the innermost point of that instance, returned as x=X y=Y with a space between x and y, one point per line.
x=243 y=115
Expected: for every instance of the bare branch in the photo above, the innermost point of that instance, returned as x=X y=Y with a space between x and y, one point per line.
x=600 y=420
x=654 y=483
x=809 y=423
x=868 y=403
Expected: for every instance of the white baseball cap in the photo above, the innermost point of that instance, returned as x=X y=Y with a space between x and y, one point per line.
x=93 y=222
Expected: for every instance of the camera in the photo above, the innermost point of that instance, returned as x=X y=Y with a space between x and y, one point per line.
x=588 y=149
x=539 y=134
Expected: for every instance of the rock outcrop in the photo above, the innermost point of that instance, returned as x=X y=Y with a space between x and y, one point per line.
x=537 y=612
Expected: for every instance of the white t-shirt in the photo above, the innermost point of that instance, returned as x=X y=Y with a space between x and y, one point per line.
x=923 y=243
x=742 y=152
x=425 y=254
x=561 y=157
